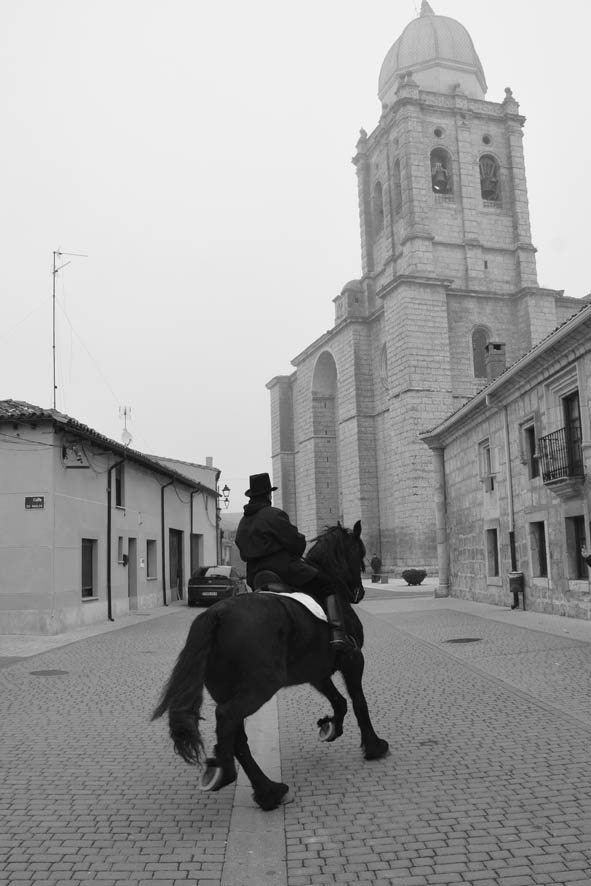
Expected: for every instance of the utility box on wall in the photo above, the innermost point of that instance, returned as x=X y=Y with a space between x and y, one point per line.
x=517 y=587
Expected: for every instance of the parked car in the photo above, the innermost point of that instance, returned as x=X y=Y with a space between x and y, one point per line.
x=208 y=584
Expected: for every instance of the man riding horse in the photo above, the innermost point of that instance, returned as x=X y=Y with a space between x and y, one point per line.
x=267 y=540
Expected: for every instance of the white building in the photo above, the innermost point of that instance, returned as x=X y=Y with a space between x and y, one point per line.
x=90 y=529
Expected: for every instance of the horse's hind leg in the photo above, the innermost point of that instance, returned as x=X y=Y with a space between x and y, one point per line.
x=352 y=671
x=331 y=727
x=267 y=794
x=229 y=716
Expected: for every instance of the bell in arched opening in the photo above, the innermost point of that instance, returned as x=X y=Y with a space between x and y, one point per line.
x=441 y=178
x=489 y=178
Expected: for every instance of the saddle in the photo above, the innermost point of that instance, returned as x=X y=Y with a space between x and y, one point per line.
x=268 y=582
x=265 y=580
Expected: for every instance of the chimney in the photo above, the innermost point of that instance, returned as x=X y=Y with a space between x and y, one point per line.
x=494 y=359
x=209 y=461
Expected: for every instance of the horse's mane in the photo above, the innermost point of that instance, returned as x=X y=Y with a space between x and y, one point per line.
x=329 y=550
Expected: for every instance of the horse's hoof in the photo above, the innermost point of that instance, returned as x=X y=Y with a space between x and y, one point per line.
x=379 y=750
x=327 y=731
x=211 y=778
x=277 y=794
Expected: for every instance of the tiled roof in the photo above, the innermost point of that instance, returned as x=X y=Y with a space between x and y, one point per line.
x=19 y=410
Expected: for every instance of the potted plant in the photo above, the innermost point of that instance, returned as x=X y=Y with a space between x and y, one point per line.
x=414 y=576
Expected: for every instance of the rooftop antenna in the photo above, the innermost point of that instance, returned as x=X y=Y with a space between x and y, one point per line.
x=125 y=413
x=58 y=254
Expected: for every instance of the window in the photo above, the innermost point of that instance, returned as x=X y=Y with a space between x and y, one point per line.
x=120 y=549
x=561 y=449
x=119 y=486
x=532 y=462
x=492 y=553
x=378 y=209
x=151 y=558
x=489 y=179
x=397 y=183
x=487 y=467
x=574 y=434
x=575 y=539
x=89 y=562
x=480 y=338
x=441 y=172
x=384 y=367
x=537 y=543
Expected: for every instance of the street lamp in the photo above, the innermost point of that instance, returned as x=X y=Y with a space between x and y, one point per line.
x=223 y=496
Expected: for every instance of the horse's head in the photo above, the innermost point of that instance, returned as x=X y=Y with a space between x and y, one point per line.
x=341 y=553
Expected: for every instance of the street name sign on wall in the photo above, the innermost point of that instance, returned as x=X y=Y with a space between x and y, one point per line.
x=34 y=502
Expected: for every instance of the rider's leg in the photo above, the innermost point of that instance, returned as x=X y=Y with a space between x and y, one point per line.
x=320 y=588
x=338 y=635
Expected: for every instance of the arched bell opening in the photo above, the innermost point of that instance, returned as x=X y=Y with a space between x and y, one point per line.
x=441 y=172
x=378 y=209
x=490 y=179
x=480 y=339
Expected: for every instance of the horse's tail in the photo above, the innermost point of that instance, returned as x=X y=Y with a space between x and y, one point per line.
x=182 y=695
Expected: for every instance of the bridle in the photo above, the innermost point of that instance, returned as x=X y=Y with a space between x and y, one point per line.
x=358 y=594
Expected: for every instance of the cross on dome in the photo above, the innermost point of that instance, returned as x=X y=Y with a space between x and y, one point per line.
x=426 y=8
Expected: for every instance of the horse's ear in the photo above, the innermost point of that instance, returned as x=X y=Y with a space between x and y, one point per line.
x=357 y=529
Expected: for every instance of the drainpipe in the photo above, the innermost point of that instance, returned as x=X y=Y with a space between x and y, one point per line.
x=510 y=492
x=193 y=493
x=109 y=597
x=162 y=488
x=442 y=589
x=516 y=579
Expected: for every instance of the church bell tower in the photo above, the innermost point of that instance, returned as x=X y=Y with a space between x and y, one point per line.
x=442 y=188
x=446 y=246
x=448 y=267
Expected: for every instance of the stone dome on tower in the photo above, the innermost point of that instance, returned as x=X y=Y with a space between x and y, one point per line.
x=439 y=53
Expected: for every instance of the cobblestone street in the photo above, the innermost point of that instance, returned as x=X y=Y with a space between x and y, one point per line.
x=488 y=715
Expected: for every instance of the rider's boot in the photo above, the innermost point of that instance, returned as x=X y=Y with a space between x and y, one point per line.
x=339 y=639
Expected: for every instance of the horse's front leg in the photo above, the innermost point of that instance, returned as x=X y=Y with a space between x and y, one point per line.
x=352 y=671
x=331 y=727
x=267 y=794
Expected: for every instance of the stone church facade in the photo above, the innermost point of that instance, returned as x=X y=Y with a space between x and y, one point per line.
x=448 y=267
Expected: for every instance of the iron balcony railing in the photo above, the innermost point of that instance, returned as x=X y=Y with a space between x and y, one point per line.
x=561 y=454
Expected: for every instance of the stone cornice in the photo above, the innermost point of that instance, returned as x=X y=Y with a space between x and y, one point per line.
x=277 y=379
x=425 y=99
x=412 y=280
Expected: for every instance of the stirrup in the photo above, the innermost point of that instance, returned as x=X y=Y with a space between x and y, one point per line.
x=345 y=642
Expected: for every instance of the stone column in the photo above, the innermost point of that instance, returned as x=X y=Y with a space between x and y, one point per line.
x=442 y=590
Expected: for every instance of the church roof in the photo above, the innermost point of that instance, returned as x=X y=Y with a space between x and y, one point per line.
x=439 y=47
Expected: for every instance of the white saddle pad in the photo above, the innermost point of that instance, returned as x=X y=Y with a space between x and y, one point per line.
x=309 y=602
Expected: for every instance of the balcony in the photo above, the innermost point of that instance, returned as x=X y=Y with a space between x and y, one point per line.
x=561 y=457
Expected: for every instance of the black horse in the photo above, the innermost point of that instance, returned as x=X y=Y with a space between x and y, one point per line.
x=243 y=650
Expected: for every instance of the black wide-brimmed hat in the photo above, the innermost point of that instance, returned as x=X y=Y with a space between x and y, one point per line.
x=260 y=484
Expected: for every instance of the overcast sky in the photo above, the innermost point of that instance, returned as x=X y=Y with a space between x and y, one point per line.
x=199 y=154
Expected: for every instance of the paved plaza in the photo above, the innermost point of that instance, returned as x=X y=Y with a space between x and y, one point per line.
x=488 y=715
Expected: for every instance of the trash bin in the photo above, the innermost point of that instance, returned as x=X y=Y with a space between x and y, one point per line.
x=517 y=587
